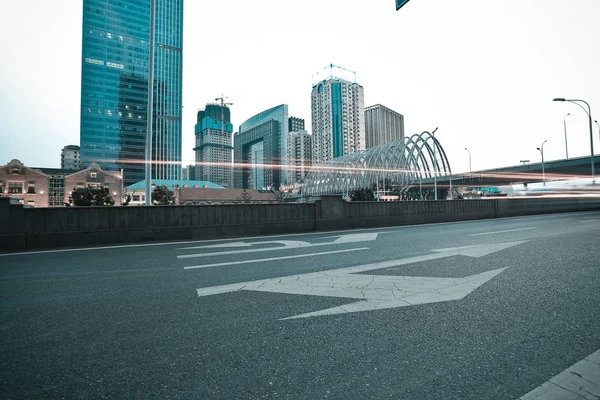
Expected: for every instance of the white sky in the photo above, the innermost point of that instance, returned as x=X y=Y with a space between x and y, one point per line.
x=483 y=71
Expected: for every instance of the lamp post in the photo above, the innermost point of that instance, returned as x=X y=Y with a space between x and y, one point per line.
x=598 y=125
x=149 y=107
x=434 y=165
x=470 y=169
x=541 y=150
x=589 y=113
x=565 y=124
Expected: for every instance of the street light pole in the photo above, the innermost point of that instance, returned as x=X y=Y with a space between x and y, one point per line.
x=149 y=108
x=565 y=124
x=434 y=165
x=470 y=169
x=598 y=125
x=589 y=113
x=541 y=150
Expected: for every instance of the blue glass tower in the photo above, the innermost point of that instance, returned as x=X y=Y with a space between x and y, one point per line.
x=114 y=86
x=261 y=141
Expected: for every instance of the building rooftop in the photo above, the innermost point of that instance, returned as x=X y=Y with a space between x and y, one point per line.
x=180 y=184
x=224 y=195
x=56 y=171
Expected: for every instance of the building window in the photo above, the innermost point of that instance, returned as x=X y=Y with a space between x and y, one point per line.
x=93 y=174
x=31 y=188
x=15 y=187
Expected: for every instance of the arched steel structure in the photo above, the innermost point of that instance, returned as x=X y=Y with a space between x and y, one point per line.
x=405 y=162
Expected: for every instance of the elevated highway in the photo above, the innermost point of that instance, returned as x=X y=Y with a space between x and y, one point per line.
x=572 y=168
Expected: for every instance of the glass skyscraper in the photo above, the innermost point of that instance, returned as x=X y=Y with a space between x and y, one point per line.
x=114 y=86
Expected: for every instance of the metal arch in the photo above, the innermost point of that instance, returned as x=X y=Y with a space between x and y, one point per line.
x=404 y=161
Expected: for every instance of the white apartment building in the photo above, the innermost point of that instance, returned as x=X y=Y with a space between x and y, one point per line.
x=298 y=148
x=70 y=157
x=338 y=119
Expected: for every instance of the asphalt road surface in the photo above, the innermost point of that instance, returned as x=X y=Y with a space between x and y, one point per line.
x=472 y=310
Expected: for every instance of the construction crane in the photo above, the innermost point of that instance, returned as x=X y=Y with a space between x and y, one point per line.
x=223 y=104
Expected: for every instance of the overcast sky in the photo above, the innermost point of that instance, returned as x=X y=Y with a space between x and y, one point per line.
x=483 y=71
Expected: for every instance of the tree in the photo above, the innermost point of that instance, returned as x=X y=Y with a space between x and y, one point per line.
x=163 y=196
x=362 y=195
x=245 y=197
x=126 y=199
x=281 y=195
x=90 y=196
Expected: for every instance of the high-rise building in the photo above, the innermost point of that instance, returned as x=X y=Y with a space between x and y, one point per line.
x=298 y=145
x=260 y=143
x=295 y=124
x=114 y=87
x=214 y=135
x=338 y=124
x=382 y=125
x=69 y=157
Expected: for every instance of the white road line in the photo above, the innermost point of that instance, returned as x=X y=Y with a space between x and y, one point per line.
x=508 y=230
x=579 y=381
x=590 y=220
x=275 y=258
x=287 y=244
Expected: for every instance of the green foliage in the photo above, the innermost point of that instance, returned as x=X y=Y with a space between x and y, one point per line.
x=362 y=195
x=162 y=196
x=387 y=183
x=281 y=195
x=90 y=196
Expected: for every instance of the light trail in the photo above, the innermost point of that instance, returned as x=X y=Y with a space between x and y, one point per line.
x=513 y=176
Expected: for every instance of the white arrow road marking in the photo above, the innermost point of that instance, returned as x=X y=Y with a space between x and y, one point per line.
x=356 y=237
x=381 y=292
x=287 y=244
x=375 y=291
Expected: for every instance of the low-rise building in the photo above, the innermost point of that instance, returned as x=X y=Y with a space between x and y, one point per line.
x=199 y=196
x=95 y=177
x=137 y=191
x=28 y=185
x=52 y=187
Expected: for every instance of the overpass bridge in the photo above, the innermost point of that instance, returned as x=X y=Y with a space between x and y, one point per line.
x=563 y=169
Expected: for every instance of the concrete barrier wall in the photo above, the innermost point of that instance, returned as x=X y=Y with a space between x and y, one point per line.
x=76 y=226
x=373 y=214
x=30 y=228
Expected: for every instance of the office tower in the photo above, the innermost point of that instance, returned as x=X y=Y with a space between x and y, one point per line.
x=114 y=87
x=298 y=145
x=338 y=124
x=382 y=125
x=260 y=143
x=69 y=157
x=214 y=135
